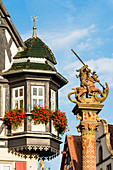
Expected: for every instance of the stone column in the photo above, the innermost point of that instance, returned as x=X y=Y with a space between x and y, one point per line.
x=89 y=122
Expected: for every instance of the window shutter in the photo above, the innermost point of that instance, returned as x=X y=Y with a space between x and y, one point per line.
x=20 y=166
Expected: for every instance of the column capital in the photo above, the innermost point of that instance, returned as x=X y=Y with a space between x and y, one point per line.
x=87 y=107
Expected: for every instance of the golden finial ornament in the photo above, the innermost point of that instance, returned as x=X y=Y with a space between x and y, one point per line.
x=34 y=28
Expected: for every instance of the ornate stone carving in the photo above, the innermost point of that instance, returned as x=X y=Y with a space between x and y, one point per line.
x=87 y=92
x=26 y=151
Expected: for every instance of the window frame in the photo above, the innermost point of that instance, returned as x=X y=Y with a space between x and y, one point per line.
x=100 y=153
x=108 y=167
x=4 y=98
x=2 y=166
x=37 y=96
x=54 y=99
x=18 y=98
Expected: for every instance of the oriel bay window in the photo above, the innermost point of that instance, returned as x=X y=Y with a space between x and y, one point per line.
x=18 y=97
x=37 y=96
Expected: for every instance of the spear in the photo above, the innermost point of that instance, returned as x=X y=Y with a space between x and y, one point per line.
x=84 y=65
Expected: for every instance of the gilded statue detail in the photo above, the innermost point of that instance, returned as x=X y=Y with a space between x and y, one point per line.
x=42 y=165
x=87 y=92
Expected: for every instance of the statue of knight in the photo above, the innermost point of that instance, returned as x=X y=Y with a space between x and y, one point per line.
x=87 y=93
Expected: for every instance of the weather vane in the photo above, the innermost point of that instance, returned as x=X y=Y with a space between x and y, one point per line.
x=34 y=27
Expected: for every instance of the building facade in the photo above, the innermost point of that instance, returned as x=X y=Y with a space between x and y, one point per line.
x=104 y=146
x=72 y=153
x=28 y=77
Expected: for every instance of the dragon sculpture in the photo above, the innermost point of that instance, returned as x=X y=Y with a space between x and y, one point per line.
x=87 y=92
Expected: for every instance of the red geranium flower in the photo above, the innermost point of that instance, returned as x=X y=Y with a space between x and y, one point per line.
x=14 y=117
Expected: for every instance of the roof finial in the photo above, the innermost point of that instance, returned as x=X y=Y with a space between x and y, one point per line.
x=34 y=28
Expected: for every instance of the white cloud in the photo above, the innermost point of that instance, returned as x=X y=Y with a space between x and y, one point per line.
x=69 y=5
x=103 y=67
x=67 y=38
x=26 y=35
x=63 y=39
x=89 y=44
x=110 y=27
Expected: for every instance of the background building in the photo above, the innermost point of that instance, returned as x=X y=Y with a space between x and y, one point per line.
x=72 y=153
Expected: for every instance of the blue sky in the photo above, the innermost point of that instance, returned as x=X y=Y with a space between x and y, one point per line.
x=85 y=26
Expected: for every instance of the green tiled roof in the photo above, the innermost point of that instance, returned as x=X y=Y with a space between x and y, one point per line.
x=36 y=48
x=29 y=65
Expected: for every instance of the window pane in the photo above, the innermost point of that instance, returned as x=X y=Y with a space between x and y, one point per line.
x=40 y=102
x=40 y=92
x=21 y=103
x=34 y=91
x=109 y=167
x=16 y=104
x=53 y=102
x=34 y=102
x=21 y=92
x=52 y=106
x=5 y=167
x=100 y=154
x=53 y=95
x=16 y=93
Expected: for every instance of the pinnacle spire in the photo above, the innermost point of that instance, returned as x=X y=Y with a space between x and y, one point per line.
x=34 y=28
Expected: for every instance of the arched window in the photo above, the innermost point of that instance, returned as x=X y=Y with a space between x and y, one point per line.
x=100 y=154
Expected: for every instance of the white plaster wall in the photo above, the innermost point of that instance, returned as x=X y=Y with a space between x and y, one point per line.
x=32 y=165
x=13 y=49
x=8 y=37
x=104 y=165
x=6 y=157
x=7 y=62
x=38 y=127
x=3 y=132
x=100 y=130
x=53 y=130
x=4 y=100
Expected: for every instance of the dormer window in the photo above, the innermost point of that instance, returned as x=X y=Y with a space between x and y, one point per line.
x=37 y=96
x=18 y=97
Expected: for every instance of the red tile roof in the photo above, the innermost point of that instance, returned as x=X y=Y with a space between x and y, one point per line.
x=110 y=128
x=75 y=150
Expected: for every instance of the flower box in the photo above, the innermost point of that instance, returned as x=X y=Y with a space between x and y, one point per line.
x=53 y=130
x=42 y=115
x=38 y=127
x=18 y=129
